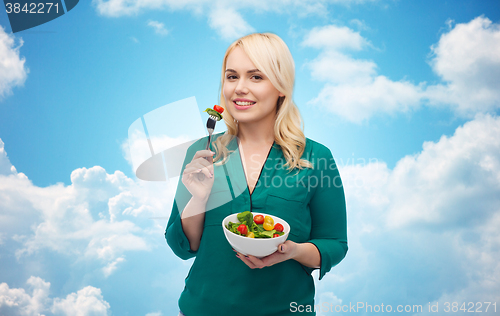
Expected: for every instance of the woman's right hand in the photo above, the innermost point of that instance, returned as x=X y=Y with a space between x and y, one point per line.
x=202 y=163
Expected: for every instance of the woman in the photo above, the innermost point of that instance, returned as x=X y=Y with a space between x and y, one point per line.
x=285 y=174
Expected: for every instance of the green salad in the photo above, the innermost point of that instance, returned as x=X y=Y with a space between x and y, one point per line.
x=214 y=113
x=256 y=226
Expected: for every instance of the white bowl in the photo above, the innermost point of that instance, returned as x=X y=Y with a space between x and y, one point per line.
x=258 y=247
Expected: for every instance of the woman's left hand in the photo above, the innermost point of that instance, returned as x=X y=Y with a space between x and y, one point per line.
x=285 y=251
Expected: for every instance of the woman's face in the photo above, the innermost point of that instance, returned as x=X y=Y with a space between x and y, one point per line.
x=250 y=96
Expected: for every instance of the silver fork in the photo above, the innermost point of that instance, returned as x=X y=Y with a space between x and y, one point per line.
x=210 y=128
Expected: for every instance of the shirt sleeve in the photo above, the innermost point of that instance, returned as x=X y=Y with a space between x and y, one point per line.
x=328 y=211
x=174 y=234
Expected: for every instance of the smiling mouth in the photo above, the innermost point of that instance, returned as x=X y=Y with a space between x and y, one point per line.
x=244 y=103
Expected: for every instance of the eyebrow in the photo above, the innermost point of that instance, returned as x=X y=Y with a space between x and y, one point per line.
x=248 y=72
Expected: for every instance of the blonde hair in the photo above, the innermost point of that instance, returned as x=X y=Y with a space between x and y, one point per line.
x=270 y=55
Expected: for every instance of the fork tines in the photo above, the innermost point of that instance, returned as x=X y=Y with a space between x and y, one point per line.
x=211 y=121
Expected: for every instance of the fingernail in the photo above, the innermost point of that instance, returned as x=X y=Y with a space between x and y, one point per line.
x=281 y=247
x=211 y=175
x=199 y=170
x=213 y=153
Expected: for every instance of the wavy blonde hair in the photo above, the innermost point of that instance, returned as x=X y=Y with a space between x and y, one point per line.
x=271 y=55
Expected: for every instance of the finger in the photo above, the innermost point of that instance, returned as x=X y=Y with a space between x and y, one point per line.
x=246 y=260
x=204 y=171
x=210 y=159
x=199 y=163
x=273 y=259
x=203 y=154
x=195 y=168
x=282 y=248
x=204 y=161
x=256 y=261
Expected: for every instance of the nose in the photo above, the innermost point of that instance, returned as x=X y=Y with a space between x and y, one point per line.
x=241 y=87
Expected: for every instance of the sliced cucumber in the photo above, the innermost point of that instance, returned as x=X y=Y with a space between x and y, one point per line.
x=214 y=113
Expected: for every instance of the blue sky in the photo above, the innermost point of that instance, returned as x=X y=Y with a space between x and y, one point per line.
x=404 y=93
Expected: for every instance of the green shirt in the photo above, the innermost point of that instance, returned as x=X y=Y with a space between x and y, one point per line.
x=312 y=202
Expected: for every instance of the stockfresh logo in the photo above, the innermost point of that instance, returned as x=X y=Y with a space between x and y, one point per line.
x=25 y=14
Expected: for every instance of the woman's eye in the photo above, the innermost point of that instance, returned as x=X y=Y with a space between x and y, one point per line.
x=257 y=77
x=230 y=77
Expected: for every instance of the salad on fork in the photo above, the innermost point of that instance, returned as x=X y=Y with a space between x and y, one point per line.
x=215 y=115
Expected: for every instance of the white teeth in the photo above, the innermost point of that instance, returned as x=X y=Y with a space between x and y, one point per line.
x=244 y=103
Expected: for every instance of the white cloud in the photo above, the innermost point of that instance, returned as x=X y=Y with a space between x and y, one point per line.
x=87 y=301
x=6 y=168
x=335 y=38
x=330 y=299
x=360 y=25
x=154 y=314
x=136 y=149
x=428 y=229
x=17 y=213
x=100 y=216
x=223 y=16
x=459 y=177
x=360 y=101
x=12 y=70
x=467 y=58
x=23 y=303
x=85 y=219
x=228 y=23
x=93 y=229
x=158 y=27
x=353 y=89
x=337 y=69
x=16 y=301
x=116 y=8
x=111 y=267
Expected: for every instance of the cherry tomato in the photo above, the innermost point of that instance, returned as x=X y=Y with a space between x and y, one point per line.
x=269 y=219
x=250 y=235
x=276 y=235
x=278 y=227
x=258 y=219
x=268 y=223
x=268 y=226
x=219 y=109
x=243 y=229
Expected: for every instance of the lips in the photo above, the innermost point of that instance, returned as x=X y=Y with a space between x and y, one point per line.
x=242 y=101
x=243 y=104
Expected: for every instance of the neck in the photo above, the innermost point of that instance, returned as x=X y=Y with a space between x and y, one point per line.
x=257 y=133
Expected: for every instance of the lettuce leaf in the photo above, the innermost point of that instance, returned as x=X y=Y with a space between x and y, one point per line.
x=214 y=113
x=266 y=234
x=246 y=218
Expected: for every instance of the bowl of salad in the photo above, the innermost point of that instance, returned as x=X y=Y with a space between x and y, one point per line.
x=255 y=234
